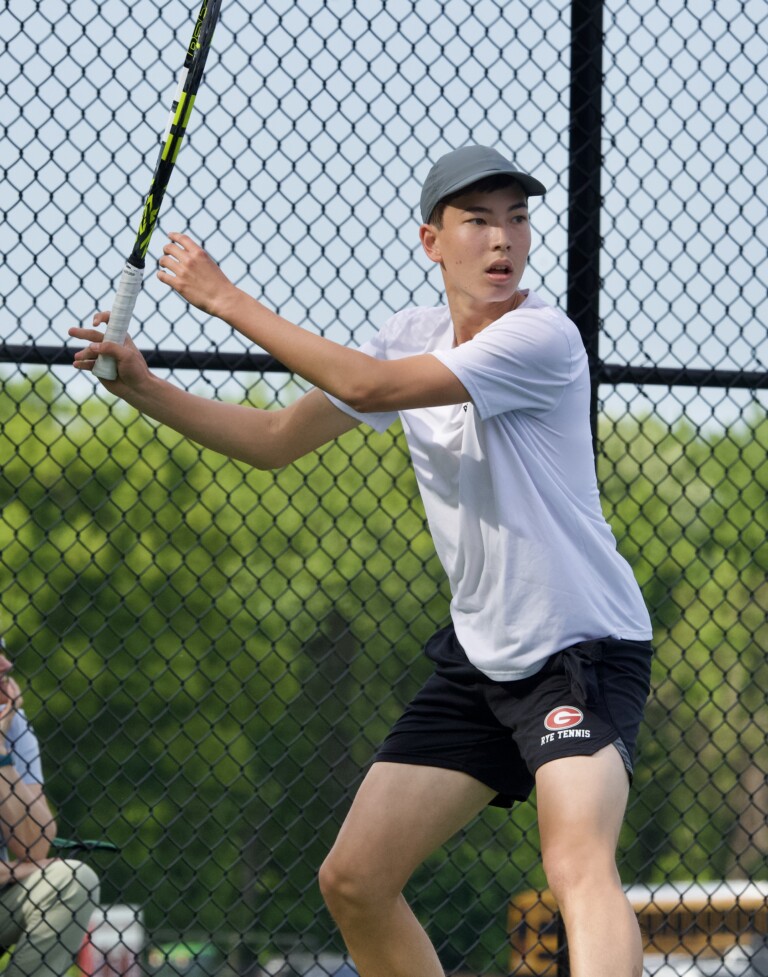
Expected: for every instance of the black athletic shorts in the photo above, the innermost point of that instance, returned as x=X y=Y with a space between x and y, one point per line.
x=500 y=733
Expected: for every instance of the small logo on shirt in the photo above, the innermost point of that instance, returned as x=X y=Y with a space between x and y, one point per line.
x=563 y=717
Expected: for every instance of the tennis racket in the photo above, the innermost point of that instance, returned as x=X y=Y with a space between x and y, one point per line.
x=129 y=285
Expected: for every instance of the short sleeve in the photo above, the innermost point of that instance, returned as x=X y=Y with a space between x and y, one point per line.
x=378 y=421
x=524 y=361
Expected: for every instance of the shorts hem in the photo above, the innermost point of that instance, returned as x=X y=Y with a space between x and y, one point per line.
x=502 y=799
x=594 y=747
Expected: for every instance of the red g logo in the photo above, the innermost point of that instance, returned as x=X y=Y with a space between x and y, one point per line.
x=563 y=717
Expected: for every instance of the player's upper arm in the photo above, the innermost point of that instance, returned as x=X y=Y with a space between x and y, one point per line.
x=403 y=384
x=305 y=425
x=521 y=362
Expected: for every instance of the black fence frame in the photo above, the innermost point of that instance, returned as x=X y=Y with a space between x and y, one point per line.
x=583 y=282
x=583 y=276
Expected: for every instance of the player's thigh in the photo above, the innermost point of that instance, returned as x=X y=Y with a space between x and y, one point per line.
x=581 y=802
x=401 y=814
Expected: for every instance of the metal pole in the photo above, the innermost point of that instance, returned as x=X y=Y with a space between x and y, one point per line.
x=584 y=172
x=584 y=207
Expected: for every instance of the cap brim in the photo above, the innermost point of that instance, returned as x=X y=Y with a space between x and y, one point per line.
x=530 y=184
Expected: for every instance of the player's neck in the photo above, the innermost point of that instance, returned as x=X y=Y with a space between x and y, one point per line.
x=470 y=318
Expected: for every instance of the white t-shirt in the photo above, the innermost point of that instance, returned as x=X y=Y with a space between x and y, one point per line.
x=509 y=488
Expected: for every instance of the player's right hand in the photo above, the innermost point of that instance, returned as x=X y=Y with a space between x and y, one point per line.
x=191 y=272
x=132 y=369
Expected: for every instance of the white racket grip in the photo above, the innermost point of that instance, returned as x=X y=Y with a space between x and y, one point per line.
x=105 y=367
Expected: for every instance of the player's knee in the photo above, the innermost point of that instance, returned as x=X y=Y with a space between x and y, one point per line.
x=561 y=874
x=344 y=889
x=570 y=873
x=73 y=888
x=336 y=886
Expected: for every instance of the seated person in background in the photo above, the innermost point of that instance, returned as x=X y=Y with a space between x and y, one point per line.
x=45 y=903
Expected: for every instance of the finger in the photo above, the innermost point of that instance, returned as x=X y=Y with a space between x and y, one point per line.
x=172 y=263
x=116 y=350
x=91 y=335
x=182 y=240
x=168 y=279
x=85 y=358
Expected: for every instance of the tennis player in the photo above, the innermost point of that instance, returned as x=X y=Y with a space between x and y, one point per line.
x=540 y=677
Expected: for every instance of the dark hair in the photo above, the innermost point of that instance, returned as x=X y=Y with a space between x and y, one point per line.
x=485 y=185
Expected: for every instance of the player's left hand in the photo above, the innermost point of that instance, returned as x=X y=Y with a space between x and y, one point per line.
x=191 y=272
x=132 y=370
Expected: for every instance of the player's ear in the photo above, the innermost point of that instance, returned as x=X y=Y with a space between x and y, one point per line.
x=429 y=241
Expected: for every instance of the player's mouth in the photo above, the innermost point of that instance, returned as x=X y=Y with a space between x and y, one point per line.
x=499 y=271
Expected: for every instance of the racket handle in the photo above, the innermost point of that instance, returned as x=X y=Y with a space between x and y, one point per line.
x=105 y=367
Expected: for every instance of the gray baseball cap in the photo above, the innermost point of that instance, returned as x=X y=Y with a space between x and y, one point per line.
x=465 y=166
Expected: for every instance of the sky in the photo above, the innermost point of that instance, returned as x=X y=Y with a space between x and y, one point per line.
x=316 y=124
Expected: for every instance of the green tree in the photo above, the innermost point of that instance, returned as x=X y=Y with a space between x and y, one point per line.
x=212 y=653
x=691 y=511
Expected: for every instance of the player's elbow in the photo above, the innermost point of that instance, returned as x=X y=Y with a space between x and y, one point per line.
x=272 y=462
x=265 y=460
x=38 y=849
x=364 y=395
x=267 y=444
x=366 y=384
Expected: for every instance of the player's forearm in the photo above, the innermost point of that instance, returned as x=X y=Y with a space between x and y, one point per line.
x=350 y=375
x=28 y=827
x=240 y=432
x=346 y=373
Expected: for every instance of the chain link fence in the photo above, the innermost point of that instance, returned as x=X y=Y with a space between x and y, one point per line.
x=211 y=654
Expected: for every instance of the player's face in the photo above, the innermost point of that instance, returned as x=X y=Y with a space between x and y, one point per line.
x=483 y=244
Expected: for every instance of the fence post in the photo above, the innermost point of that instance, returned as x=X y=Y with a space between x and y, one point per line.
x=584 y=206
x=584 y=172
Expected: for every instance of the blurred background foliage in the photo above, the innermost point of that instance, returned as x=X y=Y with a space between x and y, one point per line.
x=211 y=654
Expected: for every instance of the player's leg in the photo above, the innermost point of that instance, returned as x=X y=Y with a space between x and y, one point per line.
x=51 y=910
x=401 y=814
x=581 y=802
